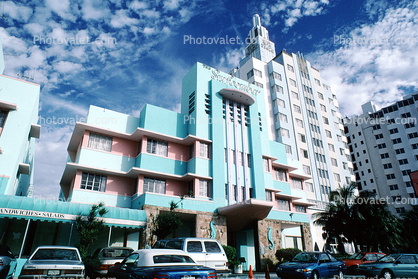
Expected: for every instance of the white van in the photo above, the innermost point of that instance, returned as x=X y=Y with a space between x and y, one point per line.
x=205 y=251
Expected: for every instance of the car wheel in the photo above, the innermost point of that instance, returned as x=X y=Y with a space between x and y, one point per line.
x=340 y=274
x=386 y=274
x=315 y=275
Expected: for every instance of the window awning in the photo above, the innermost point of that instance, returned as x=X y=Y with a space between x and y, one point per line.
x=66 y=212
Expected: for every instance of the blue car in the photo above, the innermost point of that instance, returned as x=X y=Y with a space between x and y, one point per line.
x=391 y=266
x=311 y=265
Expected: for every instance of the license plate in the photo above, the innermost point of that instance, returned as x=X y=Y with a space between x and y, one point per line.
x=187 y=277
x=53 y=272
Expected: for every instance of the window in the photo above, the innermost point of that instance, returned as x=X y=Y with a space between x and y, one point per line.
x=253 y=72
x=269 y=195
x=337 y=177
x=306 y=170
x=390 y=176
x=95 y=182
x=99 y=142
x=299 y=123
x=321 y=96
x=304 y=153
x=292 y=82
x=393 y=187
x=212 y=247
x=376 y=127
x=282 y=132
x=378 y=136
x=387 y=166
x=334 y=162
x=297 y=184
x=249 y=160
x=400 y=210
x=283 y=205
x=204 y=150
x=309 y=187
x=300 y=209
x=331 y=147
x=288 y=149
x=400 y=151
x=153 y=185
x=266 y=166
x=3 y=116
x=290 y=68
x=279 y=103
x=204 y=188
x=393 y=131
x=323 y=108
x=409 y=125
x=278 y=89
x=317 y=81
x=280 y=174
x=414 y=146
x=330 y=100
x=301 y=138
x=326 y=121
x=384 y=155
x=413 y=135
x=296 y=108
x=194 y=246
x=328 y=134
x=281 y=117
x=275 y=75
x=295 y=95
x=403 y=161
x=382 y=145
x=157 y=147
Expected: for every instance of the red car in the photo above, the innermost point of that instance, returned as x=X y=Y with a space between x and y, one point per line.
x=359 y=258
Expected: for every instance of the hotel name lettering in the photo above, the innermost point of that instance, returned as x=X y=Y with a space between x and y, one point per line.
x=230 y=80
x=32 y=213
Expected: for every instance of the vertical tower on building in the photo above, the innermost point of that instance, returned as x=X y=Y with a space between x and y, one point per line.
x=384 y=149
x=302 y=113
x=19 y=102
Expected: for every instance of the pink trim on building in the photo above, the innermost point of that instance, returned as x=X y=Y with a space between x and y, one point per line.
x=178 y=152
x=176 y=188
x=124 y=147
x=119 y=186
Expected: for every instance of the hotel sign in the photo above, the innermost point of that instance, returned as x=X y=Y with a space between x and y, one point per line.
x=234 y=82
x=36 y=214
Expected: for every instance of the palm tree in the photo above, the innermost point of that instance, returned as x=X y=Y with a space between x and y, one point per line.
x=337 y=219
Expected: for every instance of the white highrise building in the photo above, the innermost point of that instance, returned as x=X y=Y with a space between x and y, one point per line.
x=384 y=148
x=302 y=113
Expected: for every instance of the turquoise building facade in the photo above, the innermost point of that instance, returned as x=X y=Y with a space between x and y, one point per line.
x=214 y=159
x=19 y=102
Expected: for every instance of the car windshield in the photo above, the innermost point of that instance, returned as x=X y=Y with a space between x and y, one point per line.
x=115 y=253
x=356 y=256
x=306 y=257
x=56 y=254
x=388 y=259
x=158 y=259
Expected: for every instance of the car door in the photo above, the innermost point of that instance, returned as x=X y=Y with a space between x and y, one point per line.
x=195 y=249
x=404 y=266
x=324 y=266
x=126 y=267
x=213 y=255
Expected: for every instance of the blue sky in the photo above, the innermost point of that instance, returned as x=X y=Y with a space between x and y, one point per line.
x=366 y=50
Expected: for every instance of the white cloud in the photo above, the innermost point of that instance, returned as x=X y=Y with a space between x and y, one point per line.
x=121 y=18
x=64 y=67
x=95 y=10
x=17 y=12
x=62 y=8
x=373 y=62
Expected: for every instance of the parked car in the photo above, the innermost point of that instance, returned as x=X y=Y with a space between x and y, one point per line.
x=311 y=265
x=205 y=251
x=7 y=262
x=53 y=261
x=108 y=256
x=391 y=266
x=353 y=262
x=161 y=264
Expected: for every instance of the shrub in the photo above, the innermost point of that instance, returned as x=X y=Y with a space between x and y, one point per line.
x=231 y=254
x=287 y=254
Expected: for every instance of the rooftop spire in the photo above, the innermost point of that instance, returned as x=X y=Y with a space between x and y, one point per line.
x=256 y=20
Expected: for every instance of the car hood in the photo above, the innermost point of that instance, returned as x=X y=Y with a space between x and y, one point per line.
x=295 y=265
x=351 y=262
